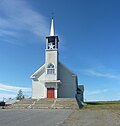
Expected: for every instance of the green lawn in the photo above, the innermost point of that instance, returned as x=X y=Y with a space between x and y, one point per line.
x=113 y=105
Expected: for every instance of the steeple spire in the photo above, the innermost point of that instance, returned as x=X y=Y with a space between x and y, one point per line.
x=52 y=30
x=52 y=40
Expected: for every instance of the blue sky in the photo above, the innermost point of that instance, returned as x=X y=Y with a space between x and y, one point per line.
x=89 y=33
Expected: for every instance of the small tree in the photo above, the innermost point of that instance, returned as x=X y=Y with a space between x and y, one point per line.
x=20 y=95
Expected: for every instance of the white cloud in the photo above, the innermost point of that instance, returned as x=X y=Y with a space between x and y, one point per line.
x=14 y=89
x=7 y=32
x=92 y=72
x=96 y=92
x=18 y=17
x=7 y=91
x=6 y=95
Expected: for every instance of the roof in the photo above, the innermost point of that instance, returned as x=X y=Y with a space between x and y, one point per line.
x=81 y=87
x=38 y=72
x=73 y=74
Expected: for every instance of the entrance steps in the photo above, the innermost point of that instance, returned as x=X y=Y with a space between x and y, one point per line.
x=66 y=103
x=59 y=103
x=43 y=103
x=25 y=103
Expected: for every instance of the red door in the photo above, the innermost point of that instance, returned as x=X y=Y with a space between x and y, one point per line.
x=50 y=93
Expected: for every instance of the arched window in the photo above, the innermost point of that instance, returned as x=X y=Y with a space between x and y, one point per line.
x=50 y=69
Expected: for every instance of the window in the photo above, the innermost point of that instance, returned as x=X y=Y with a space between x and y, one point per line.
x=50 y=69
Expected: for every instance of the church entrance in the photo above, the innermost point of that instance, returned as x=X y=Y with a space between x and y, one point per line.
x=50 y=93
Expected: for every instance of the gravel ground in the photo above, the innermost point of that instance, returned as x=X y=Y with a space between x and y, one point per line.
x=93 y=118
x=32 y=117
x=59 y=117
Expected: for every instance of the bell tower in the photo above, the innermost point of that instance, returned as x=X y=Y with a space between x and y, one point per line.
x=52 y=40
x=51 y=59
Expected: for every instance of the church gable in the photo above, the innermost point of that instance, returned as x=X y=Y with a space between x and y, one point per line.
x=38 y=73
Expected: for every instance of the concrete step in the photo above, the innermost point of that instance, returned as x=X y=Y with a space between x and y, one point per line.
x=66 y=103
x=43 y=103
x=60 y=103
x=25 y=103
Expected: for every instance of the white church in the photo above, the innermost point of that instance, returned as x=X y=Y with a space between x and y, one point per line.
x=53 y=79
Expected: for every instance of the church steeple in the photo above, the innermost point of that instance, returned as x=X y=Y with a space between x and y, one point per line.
x=51 y=56
x=52 y=30
x=52 y=40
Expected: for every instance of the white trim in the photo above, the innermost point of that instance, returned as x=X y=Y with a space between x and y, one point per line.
x=33 y=76
x=52 y=81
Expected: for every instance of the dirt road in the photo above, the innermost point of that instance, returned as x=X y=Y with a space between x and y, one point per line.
x=93 y=118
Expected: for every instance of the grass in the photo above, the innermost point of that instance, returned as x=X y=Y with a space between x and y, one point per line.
x=112 y=105
x=103 y=102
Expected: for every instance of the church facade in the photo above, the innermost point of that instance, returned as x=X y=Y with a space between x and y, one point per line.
x=53 y=79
